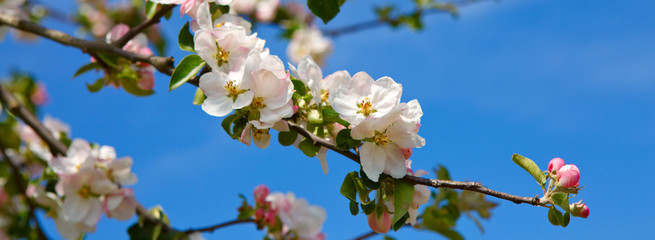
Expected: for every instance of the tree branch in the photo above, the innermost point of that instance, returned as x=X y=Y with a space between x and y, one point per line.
x=435 y=183
x=143 y=26
x=365 y=236
x=163 y=64
x=217 y=226
x=12 y=104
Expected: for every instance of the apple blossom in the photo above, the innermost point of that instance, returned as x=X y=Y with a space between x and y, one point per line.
x=195 y=236
x=308 y=42
x=40 y=95
x=121 y=204
x=261 y=137
x=421 y=194
x=555 y=164
x=81 y=190
x=361 y=97
x=383 y=143
x=265 y=10
x=379 y=224
x=411 y=114
x=297 y=215
x=568 y=176
x=273 y=90
x=579 y=210
x=260 y=194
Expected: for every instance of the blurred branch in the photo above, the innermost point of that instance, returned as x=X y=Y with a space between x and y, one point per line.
x=366 y=235
x=22 y=185
x=447 y=9
x=217 y=226
x=163 y=64
x=143 y=26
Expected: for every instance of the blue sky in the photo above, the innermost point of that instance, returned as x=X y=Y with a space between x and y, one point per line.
x=545 y=79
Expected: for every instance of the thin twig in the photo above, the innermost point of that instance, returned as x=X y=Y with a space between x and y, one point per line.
x=220 y=225
x=380 y=22
x=163 y=64
x=143 y=26
x=365 y=236
x=22 y=185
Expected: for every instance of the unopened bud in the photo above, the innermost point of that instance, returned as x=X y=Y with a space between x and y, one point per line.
x=568 y=176
x=260 y=193
x=555 y=164
x=380 y=224
x=579 y=210
x=407 y=152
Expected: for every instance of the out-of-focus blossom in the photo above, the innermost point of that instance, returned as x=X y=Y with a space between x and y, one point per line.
x=309 y=42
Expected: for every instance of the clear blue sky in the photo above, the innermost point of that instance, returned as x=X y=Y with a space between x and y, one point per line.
x=543 y=78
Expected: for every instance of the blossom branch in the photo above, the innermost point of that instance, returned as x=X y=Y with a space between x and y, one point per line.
x=143 y=26
x=163 y=64
x=220 y=225
x=22 y=185
x=365 y=236
x=435 y=183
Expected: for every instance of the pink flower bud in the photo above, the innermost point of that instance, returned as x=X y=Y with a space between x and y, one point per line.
x=295 y=109
x=407 y=152
x=147 y=80
x=380 y=224
x=579 y=210
x=568 y=176
x=261 y=192
x=117 y=32
x=39 y=96
x=555 y=164
x=259 y=213
x=270 y=218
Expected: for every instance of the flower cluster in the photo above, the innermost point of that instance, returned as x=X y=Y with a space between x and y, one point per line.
x=564 y=181
x=139 y=44
x=287 y=217
x=90 y=183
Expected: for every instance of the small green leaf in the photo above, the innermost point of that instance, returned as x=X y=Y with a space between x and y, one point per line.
x=299 y=86
x=227 y=122
x=354 y=208
x=403 y=193
x=566 y=219
x=111 y=60
x=553 y=216
x=531 y=168
x=397 y=225
x=130 y=86
x=188 y=68
x=308 y=148
x=86 y=68
x=368 y=207
x=287 y=138
x=199 y=97
x=185 y=39
x=96 y=86
x=329 y=115
x=238 y=127
x=345 y=141
x=561 y=200
x=151 y=9
x=324 y=9
x=348 y=188
x=367 y=181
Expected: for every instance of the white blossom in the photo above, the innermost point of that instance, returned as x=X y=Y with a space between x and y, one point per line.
x=308 y=42
x=297 y=215
x=361 y=97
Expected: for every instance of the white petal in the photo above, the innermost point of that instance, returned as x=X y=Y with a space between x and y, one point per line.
x=75 y=207
x=322 y=153
x=95 y=211
x=395 y=161
x=372 y=159
x=204 y=16
x=361 y=83
x=217 y=106
x=385 y=95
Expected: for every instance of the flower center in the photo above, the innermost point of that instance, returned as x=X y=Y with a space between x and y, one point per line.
x=258 y=103
x=325 y=94
x=220 y=24
x=259 y=133
x=221 y=55
x=233 y=90
x=365 y=107
x=84 y=192
x=380 y=139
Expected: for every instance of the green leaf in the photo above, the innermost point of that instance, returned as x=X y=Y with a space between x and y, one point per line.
x=151 y=9
x=86 y=68
x=397 y=225
x=238 y=127
x=308 y=148
x=324 y=9
x=227 y=122
x=348 y=188
x=345 y=141
x=450 y=234
x=442 y=173
x=554 y=216
x=561 y=200
x=330 y=115
x=185 y=39
x=403 y=193
x=287 y=138
x=130 y=86
x=299 y=86
x=531 y=168
x=368 y=207
x=566 y=219
x=96 y=86
x=354 y=208
x=367 y=181
x=188 y=68
x=111 y=60
x=199 y=97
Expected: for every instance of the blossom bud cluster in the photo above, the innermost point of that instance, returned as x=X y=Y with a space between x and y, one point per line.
x=287 y=217
x=139 y=44
x=567 y=176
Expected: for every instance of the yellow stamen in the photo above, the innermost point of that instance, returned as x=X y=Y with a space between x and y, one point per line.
x=380 y=139
x=84 y=192
x=365 y=107
x=258 y=103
